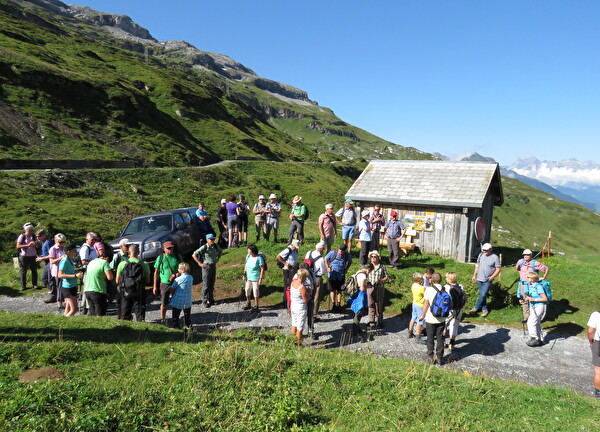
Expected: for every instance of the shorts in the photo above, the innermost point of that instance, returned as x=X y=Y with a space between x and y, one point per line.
x=335 y=285
x=272 y=223
x=329 y=239
x=165 y=294
x=68 y=292
x=416 y=313
x=596 y=353
x=298 y=312
x=348 y=232
x=233 y=222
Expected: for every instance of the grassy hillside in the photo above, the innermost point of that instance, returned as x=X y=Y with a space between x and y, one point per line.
x=134 y=377
x=69 y=90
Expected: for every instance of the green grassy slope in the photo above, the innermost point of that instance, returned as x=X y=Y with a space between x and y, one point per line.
x=136 y=377
x=71 y=91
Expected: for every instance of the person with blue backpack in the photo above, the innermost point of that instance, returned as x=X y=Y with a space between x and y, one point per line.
x=538 y=299
x=524 y=266
x=436 y=309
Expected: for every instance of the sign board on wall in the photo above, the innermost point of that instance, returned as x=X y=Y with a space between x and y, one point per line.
x=420 y=222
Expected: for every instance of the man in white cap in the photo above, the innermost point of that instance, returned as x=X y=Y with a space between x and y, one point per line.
x=317 y=267
x=328 y=227
x=364 y=236
x=26 y=244
x=273 y=213
x=260 y=217
x=486 y=269
x=298 y=215
x=524 y=266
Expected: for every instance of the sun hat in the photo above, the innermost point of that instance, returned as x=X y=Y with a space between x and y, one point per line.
x=272 y=196
x=374 y=252
x=297 y=199
x=527 y=252
x=486 y=246
x=365 y=213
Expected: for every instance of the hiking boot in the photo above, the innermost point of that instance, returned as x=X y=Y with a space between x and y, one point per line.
x=485 y=313
x=524 y=320
x=316 y=319
x=410 y=334
x=49 y=300
x=247 y=306
x=534 y=342
x=422 y=340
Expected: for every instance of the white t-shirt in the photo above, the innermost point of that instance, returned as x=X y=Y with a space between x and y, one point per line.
x=430 y=293
x=360 y=277
x=594 y=322
x=319 y=265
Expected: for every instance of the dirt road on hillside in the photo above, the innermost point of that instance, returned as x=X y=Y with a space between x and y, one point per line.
x=491 y=351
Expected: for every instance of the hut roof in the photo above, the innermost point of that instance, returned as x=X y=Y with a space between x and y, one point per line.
x=420 y=182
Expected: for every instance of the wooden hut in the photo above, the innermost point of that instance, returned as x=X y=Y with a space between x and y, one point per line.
x=447 y=207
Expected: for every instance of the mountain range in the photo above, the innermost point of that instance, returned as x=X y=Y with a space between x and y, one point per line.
x=80 y=84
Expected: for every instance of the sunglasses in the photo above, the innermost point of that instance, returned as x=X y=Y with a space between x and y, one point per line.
x=170 y=248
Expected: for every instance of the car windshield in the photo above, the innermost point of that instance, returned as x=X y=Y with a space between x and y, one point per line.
x=149 y=224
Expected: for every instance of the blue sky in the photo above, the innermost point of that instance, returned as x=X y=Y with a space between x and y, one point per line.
x=507 y=79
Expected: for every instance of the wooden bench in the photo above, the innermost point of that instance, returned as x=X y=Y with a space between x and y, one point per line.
x=409 y=245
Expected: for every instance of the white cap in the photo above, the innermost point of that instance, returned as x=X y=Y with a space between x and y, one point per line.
x=365 y=213
x=223 y=200
x=123 y=242
x=261 y=197
x=28 y=226
x=527 y=252
x=486 y=246
x=272 y=196
x=328 y=206
x=320 y=245
x=296 y=243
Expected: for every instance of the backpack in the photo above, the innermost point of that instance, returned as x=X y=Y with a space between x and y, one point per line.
x=306 y=212
x=547 y=289
x=532 y=265
x=459 y=298
x=350 y=287
x=264 y=257
x=279 y=263
x=310 y=261
x=442 y=303
x=132 y=280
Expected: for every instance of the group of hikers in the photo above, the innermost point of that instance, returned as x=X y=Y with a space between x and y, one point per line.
x=98 y=275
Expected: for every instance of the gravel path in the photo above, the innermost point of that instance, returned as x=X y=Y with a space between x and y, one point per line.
x=496 y=352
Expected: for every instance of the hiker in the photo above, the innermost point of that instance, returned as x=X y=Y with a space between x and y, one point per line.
x=45 y=245
x=429 y=271
x=434 y=325
x=346 y=217
x=222 y=222
x=55 y=255
x=204 y=225
x=418 y=300
x=377 y=277
x=317 y=269
x=69 y=279
x=165 y=272
x=287 y=260
x=98 y=275
x=233 y=221
x=181 y=299
x=377 y=221
x=328 y=227
x=593 y=335
x=337 y=263
x=26 y=245
x=309 y=284
x=394 y=230
x=132 y=304
x=274 y=211
x=260 y=217
x=87 y=251
x=459 y=298
x=244 y=208
x=299 y=298
x=254 y=271
x=359 y=302
x=486 y=269
x=364 y=236
x=207 y=257
x=538 y=300
x=298 y=215
x=524 y=266
x=122 y=255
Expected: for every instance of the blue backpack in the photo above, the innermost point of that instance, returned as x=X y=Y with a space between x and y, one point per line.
x=442 y=303
x=547 y=289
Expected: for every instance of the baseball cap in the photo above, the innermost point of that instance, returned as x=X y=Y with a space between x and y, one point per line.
x=393 y=213
x=223 y=201
x=296 y=243
x=349 y=201
x=123 y=242
x=210 y=236
x=486 y=246
x=261 y=197
x=320 y=245
x=168 y=244
x=527 y=252
x=328 y=206
x=28 y=226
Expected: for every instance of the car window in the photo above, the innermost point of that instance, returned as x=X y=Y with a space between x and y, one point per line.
x=187 y=218
x=179 y=221
x=149 y=224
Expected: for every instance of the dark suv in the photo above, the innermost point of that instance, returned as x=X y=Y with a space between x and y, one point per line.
x=152 y=230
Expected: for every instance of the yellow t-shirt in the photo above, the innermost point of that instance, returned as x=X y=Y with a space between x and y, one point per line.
x=418 y=293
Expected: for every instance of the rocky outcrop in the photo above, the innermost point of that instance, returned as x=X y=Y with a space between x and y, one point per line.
x=102 y=19
x=279 y=88
x=315 y=125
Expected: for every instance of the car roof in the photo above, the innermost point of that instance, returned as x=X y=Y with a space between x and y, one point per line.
x=167 y=212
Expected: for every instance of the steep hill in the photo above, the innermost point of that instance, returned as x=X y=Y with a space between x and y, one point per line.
x=82 y=84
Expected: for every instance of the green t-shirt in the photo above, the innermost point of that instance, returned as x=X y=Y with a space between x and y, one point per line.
x=167 y=265
x=145 y=266
x=95 y=278
x=299 y=211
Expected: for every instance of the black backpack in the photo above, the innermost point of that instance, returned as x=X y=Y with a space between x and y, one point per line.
x=458 y=295
x=132 y=280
